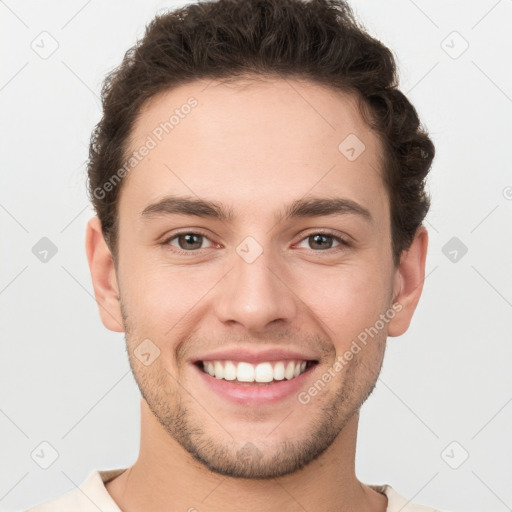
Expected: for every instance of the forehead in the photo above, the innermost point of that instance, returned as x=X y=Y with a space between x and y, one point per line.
x=243 y=141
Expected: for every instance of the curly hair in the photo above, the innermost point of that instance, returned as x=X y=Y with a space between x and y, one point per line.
x=317 y=40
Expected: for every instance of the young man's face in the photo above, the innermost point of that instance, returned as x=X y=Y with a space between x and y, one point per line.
x=258 y=287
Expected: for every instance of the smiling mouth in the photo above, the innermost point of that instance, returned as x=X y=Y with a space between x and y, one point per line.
x=269 y=372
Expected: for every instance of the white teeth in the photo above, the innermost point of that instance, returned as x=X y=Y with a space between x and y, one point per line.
x=219 y=370
x=244 y=372
x=247 y=372
x=229 y=371
x=264 y=373
x=279 y=371
x=290 y=370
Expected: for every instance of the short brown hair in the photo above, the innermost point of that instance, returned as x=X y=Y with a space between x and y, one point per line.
x=316 y=40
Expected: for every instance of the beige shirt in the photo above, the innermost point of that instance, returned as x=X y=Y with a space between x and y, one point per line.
x=92 y=496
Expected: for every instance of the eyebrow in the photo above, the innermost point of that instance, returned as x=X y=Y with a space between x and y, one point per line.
x=310 y=207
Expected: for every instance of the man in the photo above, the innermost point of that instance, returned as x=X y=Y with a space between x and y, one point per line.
x=258 y=180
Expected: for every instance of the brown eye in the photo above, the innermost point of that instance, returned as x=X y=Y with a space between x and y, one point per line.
x=323 y=241
x=320 y=241
x=188 y=241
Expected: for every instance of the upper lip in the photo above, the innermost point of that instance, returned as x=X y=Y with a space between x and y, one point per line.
x=255 y=356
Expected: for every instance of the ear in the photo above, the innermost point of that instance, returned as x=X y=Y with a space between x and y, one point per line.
x=103 y=274
x=408 y=283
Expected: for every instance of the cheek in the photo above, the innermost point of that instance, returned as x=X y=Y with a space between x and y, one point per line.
x=346 y=300
x=160 y=298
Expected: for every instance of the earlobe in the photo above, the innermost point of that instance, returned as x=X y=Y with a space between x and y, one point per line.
x=408 y=284
x=104 y=279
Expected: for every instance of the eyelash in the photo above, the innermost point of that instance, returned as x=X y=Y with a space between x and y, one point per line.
x=343 y=243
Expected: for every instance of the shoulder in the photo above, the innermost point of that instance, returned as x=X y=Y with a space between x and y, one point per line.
x=397 y=502
x=90 y=496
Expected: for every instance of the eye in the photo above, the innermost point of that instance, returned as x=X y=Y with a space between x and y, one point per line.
x=188 y=241
x=191 y=241
x=323 y=241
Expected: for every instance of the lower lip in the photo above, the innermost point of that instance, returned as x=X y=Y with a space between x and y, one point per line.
x=256 y=393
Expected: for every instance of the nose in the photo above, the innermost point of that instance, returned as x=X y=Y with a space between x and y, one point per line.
x=255 y=294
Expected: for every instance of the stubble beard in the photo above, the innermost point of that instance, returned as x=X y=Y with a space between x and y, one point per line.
x=246 y=458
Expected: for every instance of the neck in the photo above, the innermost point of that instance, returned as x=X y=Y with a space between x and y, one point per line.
x=165 y=477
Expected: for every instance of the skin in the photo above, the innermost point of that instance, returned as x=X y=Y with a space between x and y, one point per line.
x=252 y=146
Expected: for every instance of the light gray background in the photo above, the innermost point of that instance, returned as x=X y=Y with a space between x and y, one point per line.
x=65 y=379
